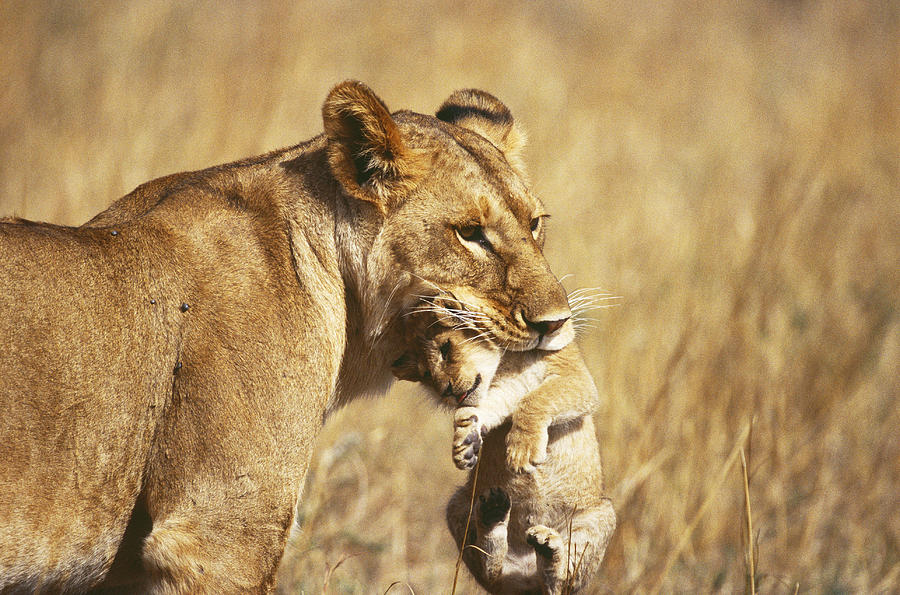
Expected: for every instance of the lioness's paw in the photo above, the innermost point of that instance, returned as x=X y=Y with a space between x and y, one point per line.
x=466 y=437
x=524 y=450
x=493 y=508
x=545 y=541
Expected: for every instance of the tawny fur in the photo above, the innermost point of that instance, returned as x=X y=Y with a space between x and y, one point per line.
x=168 y=365
x=541 y=523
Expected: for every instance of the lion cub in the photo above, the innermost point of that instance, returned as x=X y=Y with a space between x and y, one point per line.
x=540 y=520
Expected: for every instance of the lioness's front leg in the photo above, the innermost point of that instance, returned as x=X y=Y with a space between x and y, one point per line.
x=222 y=488
x=185 y=555
x=225 y=535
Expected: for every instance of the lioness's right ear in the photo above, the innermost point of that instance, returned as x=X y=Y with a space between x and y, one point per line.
x=483 y=113
x=366 y=152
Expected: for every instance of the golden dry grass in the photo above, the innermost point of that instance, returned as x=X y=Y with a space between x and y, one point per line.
x=731 y=170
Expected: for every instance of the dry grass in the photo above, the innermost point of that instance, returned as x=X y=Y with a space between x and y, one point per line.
x=730 y=169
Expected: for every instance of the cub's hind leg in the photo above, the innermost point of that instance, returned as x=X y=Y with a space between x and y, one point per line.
x=550 y=552
x=592 y=530
x=487 y=532
x=568 y=562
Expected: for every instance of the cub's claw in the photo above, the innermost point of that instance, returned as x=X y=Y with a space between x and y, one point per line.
x=545 y=541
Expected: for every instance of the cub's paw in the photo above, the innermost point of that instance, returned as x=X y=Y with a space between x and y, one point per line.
x=493 y=508
x=545 y=541
x=466 y=437
x=524 y=450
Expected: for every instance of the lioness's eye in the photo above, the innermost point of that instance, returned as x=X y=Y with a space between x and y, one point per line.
x=445 y=349
x=534 y=224
x=475 y=234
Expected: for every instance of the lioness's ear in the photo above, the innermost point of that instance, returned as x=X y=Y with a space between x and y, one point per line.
x=366 y=152
x=485 y=114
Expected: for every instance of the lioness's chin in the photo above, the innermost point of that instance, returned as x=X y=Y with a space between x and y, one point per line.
x=516 y=343
x=552 y=342
x=559 y=339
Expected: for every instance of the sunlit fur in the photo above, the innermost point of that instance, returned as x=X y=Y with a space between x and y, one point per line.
x=169 y=364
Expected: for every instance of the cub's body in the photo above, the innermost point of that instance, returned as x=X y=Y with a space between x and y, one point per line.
x=540 y=523
x=541 y=517
x=561 y=499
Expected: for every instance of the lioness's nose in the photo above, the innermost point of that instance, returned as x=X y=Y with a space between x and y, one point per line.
x=546 y=327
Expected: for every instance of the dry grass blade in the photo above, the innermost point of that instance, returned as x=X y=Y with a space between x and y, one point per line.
x=395 y=583
x=329 y=571
x=468 y=524
x=751 y=555
x=698 y=516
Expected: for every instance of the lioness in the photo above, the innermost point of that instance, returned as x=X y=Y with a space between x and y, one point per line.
x=168 y=365
x=541 y=523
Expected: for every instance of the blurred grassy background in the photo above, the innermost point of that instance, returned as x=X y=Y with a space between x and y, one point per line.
x=732 y=170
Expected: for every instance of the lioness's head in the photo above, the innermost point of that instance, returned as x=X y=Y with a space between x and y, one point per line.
x=459 y=220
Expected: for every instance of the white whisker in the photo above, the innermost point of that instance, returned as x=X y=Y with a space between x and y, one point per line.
x=449 y=313
x=589 y=308
x=586 y=302
x=591 y=298
x=482 y=336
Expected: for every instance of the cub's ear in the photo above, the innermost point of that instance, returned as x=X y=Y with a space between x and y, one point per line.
x=406 y=367
x=483 y=113
x=366 y=152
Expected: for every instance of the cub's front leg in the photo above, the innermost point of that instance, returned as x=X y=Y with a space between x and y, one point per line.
x=566 y=392
x=470 y=424
x=467 y=433
x=526 y=444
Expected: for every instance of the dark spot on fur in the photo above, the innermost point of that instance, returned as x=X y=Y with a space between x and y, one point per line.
x=184 y=307
x=177 y=367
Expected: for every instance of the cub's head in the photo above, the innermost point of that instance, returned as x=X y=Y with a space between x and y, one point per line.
x=460 y=232
x=456 y=363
